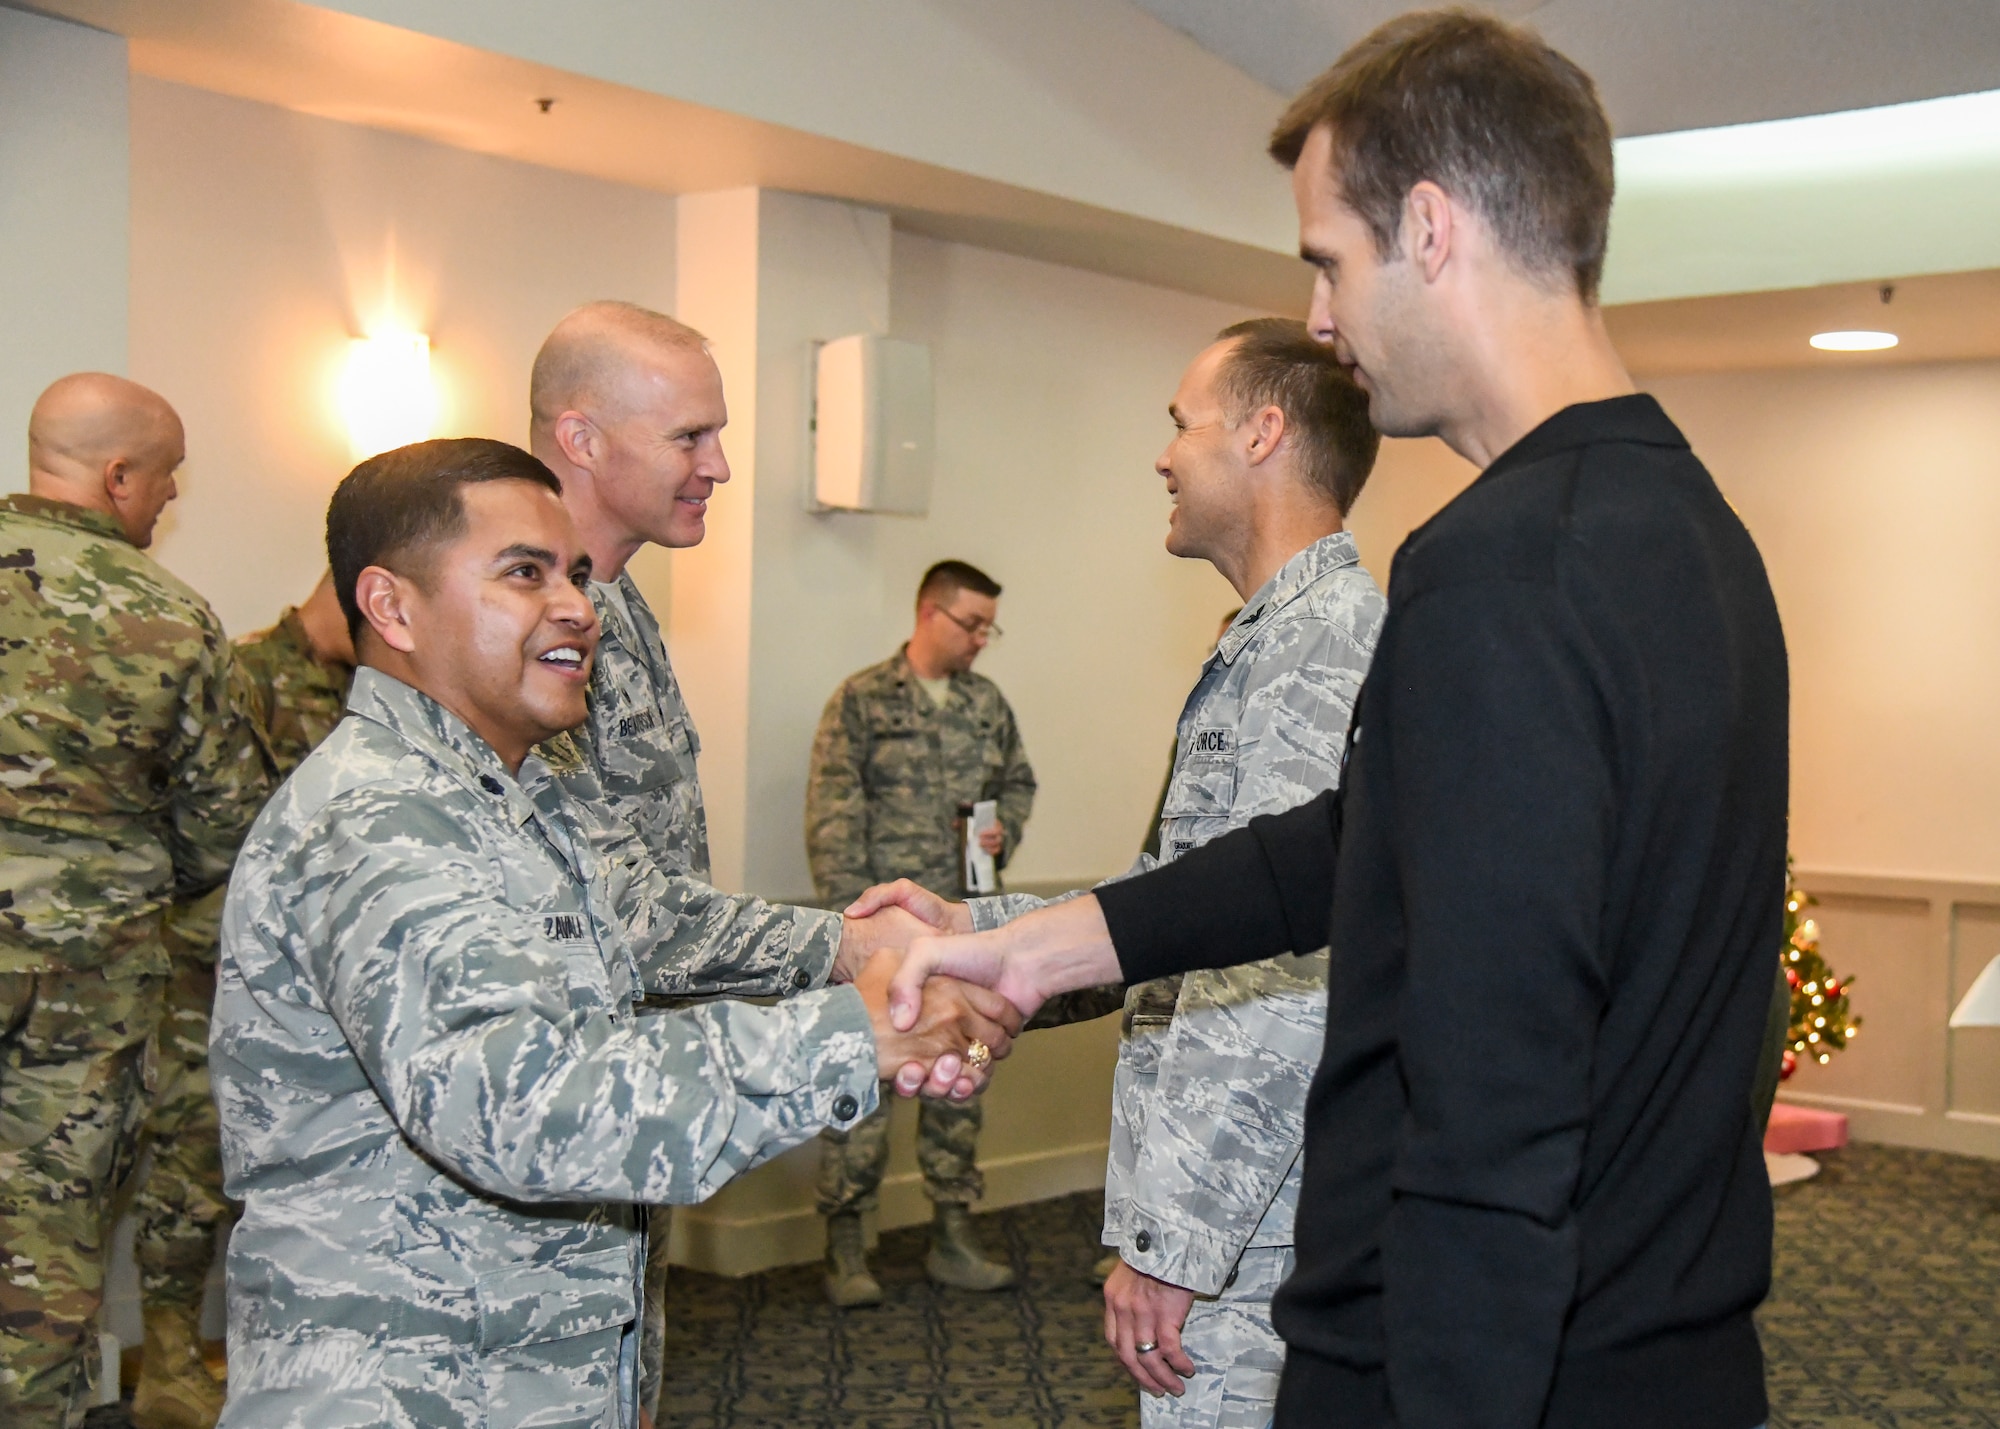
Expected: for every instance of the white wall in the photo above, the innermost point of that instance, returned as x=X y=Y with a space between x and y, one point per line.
x=62 y=215
x=263 y=240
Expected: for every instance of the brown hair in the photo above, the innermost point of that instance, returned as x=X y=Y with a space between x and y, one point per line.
x=947 y=578
x=395 y=508
x=1276 y=363
x=1485 y=110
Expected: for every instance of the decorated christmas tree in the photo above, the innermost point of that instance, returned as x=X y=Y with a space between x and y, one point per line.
x=1821 y=1021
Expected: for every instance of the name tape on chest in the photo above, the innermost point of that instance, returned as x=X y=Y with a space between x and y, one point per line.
x=640 y=722
x=565 y=928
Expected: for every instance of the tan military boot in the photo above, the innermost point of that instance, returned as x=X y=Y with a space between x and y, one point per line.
x=956 y=1258
x=175 y=1391
x=848 y=1282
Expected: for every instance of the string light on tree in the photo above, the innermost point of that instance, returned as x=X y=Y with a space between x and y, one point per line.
x=1821 y=1022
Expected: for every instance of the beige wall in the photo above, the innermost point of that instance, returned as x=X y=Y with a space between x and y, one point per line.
x=1874 y=495
x=1052 y=387
x=263 y=240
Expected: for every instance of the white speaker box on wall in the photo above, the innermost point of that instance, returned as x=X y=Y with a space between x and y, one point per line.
x=873 y=430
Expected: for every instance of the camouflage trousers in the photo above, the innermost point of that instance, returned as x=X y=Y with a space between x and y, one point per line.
x=653 y=1313
x=1237 y=1354
x=180 y=1203
x=75 y=1075
x=851 y=1162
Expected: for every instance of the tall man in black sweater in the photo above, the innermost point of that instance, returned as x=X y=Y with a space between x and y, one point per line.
x=1551 y=878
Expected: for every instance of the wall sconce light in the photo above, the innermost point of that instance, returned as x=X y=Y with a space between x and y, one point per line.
x=386 y=396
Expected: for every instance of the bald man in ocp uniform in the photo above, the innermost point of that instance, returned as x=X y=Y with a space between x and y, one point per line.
x=128 y=777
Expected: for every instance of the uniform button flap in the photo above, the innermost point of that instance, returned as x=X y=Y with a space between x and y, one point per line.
x=802 y=979
x=1142 y=1242
x=845 y=1106
x=491 y=785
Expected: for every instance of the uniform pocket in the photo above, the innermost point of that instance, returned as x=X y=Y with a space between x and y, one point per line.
x=555 y=1300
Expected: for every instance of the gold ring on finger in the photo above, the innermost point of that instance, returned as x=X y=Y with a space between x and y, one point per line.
x=978 y=1056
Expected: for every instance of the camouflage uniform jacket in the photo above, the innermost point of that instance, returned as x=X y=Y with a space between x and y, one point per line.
x=294 y=701
x=438 y=1103
x=889 y=772
x=1210 y=1090
x=127 y=774
x=636 y=776
x=295 y=697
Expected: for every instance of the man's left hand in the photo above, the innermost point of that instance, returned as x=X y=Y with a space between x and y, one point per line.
x=1139 y=1310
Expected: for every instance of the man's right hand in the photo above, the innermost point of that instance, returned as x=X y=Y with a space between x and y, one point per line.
x=862 y=936
x=928 y=1057
x=917 y=900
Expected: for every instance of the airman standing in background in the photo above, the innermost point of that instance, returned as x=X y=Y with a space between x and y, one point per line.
x=292 y=682
x=901 y=746
x=127 y=779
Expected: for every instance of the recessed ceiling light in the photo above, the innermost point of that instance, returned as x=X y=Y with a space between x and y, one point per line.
x=1853 y=341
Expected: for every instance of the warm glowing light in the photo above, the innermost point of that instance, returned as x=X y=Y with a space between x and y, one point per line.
x=386 y=396
x=1856 y=341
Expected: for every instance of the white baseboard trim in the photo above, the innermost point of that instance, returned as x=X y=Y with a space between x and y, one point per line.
x=745 y=1245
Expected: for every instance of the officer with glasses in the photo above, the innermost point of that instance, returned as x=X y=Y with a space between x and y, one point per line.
x=902 y=747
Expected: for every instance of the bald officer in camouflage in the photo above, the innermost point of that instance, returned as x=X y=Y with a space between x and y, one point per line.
x=127 y=778
x=438 y=1105
x=1271 y=447
x=292 y=682
x=900 y=746
x=626 y=407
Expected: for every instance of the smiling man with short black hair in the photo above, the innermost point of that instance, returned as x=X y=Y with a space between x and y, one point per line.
x=438 y=1105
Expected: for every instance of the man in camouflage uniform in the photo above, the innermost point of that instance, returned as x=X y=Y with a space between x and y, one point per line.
x=292 y=682
x=127 y=778
x=1272 y=446
x=901 y=746
x=438 y=1106
x=626 y=408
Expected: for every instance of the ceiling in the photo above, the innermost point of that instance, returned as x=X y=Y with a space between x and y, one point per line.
x=1661 y=64
x=1948 y=317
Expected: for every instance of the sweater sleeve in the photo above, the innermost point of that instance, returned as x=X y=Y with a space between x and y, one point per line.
x=1258 y=892
x=1505 y=989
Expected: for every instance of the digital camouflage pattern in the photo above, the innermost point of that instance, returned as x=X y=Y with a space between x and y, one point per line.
x=1238 y=1354
x=127 y=778
x=126 y=773
x=853 y=1161
x=295 y=700
x=632 y=765
x=889 y=771
x=439 y=1103
x=1210 y=1088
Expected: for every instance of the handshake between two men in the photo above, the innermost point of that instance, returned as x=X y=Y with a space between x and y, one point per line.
x=946 y=1001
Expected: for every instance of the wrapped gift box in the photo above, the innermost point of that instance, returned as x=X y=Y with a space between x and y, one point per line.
x=1802 y=1128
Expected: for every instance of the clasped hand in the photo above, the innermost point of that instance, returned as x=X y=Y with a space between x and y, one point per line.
x=924 y=1055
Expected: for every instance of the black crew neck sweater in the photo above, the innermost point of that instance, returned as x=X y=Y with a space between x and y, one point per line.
x=1552 y=879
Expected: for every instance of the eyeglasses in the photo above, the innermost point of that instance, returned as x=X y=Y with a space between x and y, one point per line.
x=977 y=629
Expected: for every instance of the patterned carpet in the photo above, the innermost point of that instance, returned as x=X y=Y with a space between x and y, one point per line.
x=1885 y=1314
